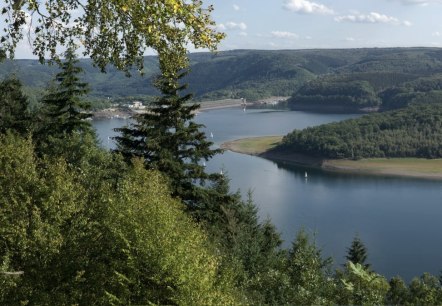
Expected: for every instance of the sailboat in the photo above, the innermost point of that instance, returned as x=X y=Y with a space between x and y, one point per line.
x=211 y=135
x=305 y=175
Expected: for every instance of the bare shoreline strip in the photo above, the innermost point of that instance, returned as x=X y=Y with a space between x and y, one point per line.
x=403 y=167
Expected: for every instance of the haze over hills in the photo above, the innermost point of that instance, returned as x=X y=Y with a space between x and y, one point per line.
x=255 y=74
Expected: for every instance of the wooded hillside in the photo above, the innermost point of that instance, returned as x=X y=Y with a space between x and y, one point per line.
x=415 y=131
x=253 y=74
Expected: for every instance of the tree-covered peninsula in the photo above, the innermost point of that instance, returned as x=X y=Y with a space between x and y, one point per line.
x=415 y=131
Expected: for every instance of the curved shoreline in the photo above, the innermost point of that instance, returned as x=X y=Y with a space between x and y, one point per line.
x=400 y=167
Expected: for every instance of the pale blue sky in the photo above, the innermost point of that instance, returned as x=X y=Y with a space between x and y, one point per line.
x=301 y=24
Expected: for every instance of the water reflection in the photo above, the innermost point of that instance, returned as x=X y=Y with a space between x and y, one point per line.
x=397 y=218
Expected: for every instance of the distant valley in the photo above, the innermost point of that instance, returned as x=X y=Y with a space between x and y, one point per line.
x=334 y=79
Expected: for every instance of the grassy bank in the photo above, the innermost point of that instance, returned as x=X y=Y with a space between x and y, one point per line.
x=252 y=146
x=410 y=167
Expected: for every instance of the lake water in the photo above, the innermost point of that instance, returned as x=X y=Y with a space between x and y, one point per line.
x=398 y=219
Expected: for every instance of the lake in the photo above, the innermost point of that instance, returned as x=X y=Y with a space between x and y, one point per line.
x=398 y=219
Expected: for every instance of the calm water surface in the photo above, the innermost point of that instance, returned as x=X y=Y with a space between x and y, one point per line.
x=398 y=219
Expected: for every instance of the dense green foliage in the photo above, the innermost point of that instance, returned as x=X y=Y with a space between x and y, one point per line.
x=422 y=90
x=168 y=139
x=94 y=231
x=90 y=233
x=110 y=31
x=254 y=74
x=80 y=225
x=248 y=74
x=391 y=78
x=14 y=111
x=63 y=109
x=410 y=132
x=357 y=253
x=324 y=94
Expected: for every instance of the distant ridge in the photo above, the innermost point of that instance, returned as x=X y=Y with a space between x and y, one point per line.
x=252 y=74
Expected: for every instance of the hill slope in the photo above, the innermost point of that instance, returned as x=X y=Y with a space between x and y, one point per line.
x=415 y=131
x=253 y=74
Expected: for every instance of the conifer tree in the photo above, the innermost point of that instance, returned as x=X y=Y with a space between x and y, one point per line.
x=14 y=114
x=357 y=253
x=168 y=140
x=63 y=109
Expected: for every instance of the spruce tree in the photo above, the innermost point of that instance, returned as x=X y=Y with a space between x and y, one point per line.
x=63 y=110
x=14 y=114
x=357 y=253
x=168 y=140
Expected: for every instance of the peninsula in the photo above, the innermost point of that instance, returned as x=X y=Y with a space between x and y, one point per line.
x=406 y=167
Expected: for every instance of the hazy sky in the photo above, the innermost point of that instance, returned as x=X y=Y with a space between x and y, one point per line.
x=296 y=24
x=300 y=24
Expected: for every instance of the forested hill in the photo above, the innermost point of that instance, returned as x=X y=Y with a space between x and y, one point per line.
x=414 y=131
x=256 y=74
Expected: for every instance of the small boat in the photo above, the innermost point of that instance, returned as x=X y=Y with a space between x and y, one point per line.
x=211 y=135
x=305 y=175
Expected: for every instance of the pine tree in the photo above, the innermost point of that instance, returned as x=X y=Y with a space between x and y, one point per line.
x=168 y=140
x=63 y=109
x=14 y=114
x=357 y=253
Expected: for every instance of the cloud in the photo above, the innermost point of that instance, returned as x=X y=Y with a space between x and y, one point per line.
x=236 y=26
x=231 y=26
x=420 y=2
x=220 y=27
x=236 y=7
x=307 y=7
x=372 y=17
x=285 y=35
x=243 y=34
x=437 y=34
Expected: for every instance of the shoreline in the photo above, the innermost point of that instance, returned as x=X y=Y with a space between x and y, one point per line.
x=116 y=112
x=398 y=167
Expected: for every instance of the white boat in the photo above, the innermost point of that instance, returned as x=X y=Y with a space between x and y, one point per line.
x=305 y=175
x=211 y=135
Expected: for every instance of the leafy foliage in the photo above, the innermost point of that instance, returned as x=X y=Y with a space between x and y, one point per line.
x=359 y=286
x=111 y=31
x=410 y=132
x=309 y=273
x=81 y=227
x=92 y=235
